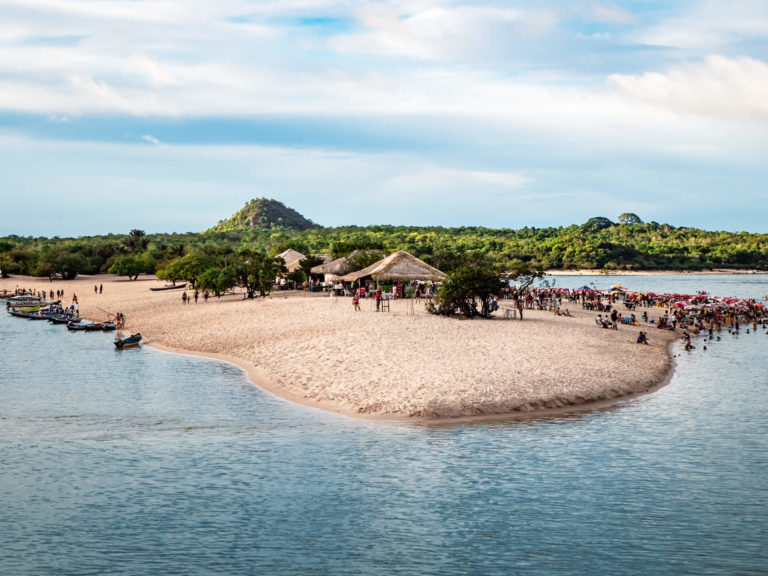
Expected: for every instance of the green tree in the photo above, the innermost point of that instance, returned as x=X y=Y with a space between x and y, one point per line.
x=629 y=218
x=7 y=265
x=218 y=280
x=468 y=287
x=132 y=266
x=256 y=272
x=137 y=240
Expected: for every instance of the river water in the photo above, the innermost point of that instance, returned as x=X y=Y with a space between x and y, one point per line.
x=143 y=462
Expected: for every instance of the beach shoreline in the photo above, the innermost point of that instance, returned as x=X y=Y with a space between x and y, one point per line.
x=400 y=366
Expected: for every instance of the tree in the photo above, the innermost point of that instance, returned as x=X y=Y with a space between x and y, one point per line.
x=468 y=286
x=308 y=263
x=137 y=240
x=189 y=267
x=218 y=280
x=256 y=272
x=132 y=266
x=7 y=266
x=360 y=259
x=597 y=223
x=629 y=218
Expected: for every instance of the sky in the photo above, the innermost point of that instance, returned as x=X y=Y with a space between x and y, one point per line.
x=169 y=116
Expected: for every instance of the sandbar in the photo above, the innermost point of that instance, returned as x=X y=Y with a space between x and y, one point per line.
x=405 y=364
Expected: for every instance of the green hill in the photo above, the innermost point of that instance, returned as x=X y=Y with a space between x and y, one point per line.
x=266 y=213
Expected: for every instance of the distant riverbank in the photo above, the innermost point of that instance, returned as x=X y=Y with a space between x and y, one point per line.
x=597 y=272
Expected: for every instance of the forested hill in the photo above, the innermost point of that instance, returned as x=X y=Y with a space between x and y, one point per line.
x=628 y=244
x=266 y=213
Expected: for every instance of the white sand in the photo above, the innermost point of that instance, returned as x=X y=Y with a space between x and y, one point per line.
x=319 y=351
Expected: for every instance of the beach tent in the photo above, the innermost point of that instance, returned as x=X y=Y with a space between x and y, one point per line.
x=398 y=267
x=292 y=258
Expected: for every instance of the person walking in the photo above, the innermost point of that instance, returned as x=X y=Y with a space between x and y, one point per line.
x=356 y=302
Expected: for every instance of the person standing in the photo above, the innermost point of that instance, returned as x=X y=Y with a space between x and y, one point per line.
x=378 y=300
x=184 y=297
x=196 y=294
x=101 y=288
x=356 y=302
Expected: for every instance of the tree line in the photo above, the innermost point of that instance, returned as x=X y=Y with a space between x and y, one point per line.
x=628 y=244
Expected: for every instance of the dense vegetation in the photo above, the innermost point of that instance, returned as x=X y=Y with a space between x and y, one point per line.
x=599 y=243
x=266 y=213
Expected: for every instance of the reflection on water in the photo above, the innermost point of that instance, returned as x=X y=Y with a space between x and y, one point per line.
x=143 y=462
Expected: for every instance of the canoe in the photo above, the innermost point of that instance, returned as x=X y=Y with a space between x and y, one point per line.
x=19 y=313
x=109 y=326
x=169 y=287
x=128 y=342
x=88 y=327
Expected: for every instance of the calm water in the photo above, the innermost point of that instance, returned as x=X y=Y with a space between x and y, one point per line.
x=141 y=462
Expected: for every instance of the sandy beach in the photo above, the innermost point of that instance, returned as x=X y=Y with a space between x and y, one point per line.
x=402 y=364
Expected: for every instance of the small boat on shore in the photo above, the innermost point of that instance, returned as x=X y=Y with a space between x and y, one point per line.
x=85 y=327
x=129 y=341
x=24 y=301
x=63 y=319
x=109 y=326
x=169 y=287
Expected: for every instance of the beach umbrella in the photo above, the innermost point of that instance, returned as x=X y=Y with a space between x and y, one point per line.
x=678 y=305
x=584 y=288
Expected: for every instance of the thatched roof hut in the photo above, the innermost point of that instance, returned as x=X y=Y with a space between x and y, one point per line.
x=292 y=258
x=398 y=267
x=332 y=270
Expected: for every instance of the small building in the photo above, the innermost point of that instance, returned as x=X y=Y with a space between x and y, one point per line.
x=292 y=258
x=398 y=267
x=331 y=271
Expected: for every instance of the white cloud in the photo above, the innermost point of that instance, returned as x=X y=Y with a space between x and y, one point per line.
x=609 y=13
x=711 y=26
x=151 y=139
x=436 y=32
x=731 y=88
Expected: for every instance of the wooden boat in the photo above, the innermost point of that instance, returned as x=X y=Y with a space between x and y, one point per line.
x=24 y=301
x=169 y=287
x=62 y=319
x=109 y=326
x=19 y=313
x=127 y=342
x=85 y=327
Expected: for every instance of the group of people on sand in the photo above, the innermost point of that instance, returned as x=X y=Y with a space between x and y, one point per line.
x=378 y=296
x=188 y=298
x=119 y=320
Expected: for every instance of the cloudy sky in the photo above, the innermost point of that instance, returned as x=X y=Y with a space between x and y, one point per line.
x=168 y=115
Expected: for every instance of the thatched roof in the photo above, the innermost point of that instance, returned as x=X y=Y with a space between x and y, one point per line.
x=291 y=258
x=336 y=267
x=399 y=266
x=325 y=257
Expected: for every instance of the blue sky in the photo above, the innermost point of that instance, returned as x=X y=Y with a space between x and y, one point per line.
x=169 y=116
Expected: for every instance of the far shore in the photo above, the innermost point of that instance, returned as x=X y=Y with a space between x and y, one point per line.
x=404 y=364
x=601 y=272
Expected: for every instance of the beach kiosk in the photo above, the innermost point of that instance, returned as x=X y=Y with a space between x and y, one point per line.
x=396 y=270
